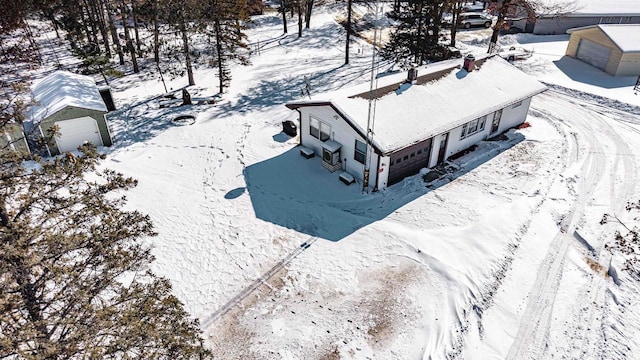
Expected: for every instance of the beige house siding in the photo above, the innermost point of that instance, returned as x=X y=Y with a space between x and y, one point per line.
x=12 y=138
x=629 y=65
x=614 y=61
x=572 y=47
x=619 y=64
x=71 y=112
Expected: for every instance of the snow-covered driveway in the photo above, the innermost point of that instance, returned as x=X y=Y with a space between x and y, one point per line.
x=557 y=305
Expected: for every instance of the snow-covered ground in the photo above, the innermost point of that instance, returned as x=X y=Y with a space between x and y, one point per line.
x=502 y=258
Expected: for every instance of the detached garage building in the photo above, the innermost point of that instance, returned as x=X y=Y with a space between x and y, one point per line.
x=73 y=103
x=612 y=48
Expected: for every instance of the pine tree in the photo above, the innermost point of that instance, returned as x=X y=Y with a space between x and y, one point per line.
x=181 y=15
x=415 y=40
x=227 y=20
x=74 y=278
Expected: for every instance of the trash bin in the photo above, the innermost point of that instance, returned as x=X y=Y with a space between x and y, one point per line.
x=289 y=128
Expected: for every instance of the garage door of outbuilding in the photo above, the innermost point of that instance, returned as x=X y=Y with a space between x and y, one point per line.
x=76 y=132
x=409 y=161
x=593 y=53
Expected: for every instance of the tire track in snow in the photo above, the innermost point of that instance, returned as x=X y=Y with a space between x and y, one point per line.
x=535 y=322
x=237 y=299
x=486 y=296
x=586 y=330
x=585 y=338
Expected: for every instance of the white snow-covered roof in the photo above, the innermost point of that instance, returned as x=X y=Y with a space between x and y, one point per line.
x=413 y=113
x=625 y=36
x=590 y=7
x=61 y=89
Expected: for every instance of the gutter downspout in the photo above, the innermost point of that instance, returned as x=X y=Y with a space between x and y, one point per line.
x=299 y=126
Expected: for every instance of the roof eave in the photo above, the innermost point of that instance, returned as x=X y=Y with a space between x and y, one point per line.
x=341 y=113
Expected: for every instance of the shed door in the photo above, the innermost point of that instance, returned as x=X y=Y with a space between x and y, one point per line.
x=594 y=54
x=409 y=161
x=76 y=132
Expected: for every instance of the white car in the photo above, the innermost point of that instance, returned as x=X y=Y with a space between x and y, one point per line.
x=514 y=53
x=468 y=20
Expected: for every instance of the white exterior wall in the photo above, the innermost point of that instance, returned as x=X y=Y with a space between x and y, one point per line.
x=342 y=133
x=510 y=117
x=384 y=174
x=456 y=145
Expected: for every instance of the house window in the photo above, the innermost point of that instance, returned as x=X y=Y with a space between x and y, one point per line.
x=406 y=157
x=516 y=104
x=319 y=130
x=473 y=127
x=361 y=152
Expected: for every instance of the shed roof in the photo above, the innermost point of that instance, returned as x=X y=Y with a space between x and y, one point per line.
x=625 y=36
x=61 y=89
x=408 y=113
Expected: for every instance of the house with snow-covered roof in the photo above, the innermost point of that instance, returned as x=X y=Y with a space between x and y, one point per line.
x=613 y=48
x=557 y=16
x=73 y=103
x=420 y=120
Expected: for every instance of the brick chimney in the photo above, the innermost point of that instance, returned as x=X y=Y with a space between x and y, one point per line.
x=469 y=63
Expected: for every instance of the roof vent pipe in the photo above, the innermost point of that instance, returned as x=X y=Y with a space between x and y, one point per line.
x=412 y=75
x=469 y=63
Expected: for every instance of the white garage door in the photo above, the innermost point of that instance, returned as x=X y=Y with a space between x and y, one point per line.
x=76 y=132
x=594 y=54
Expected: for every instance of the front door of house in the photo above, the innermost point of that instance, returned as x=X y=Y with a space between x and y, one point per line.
x=495 y=125
x=444 y=138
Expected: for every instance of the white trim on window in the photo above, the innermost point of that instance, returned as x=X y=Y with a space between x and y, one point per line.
x=319 y=129
x=360 y=155
x=473 y=127
x=463 y=134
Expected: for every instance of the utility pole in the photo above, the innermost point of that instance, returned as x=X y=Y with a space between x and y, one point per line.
x=346 y=52
x=371 y=115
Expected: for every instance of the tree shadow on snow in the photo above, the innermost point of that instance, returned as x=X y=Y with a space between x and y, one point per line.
x=297 y=193
x=279 y=91
x=146 y=120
